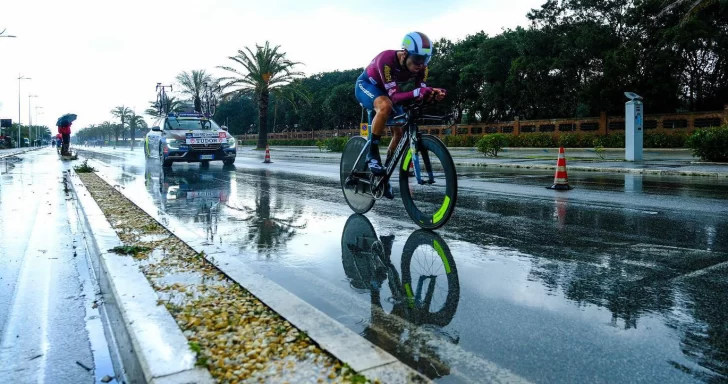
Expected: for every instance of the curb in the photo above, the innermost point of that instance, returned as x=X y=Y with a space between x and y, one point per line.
x=346 y=345
x=577 y=168
x=151 y=346
x=2 y=156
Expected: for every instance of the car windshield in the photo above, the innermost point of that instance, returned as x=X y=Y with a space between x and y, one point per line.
x=190 y=124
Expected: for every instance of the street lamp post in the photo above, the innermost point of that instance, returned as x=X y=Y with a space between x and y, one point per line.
x=30 y=120
x=20 y=77
x=37 y=127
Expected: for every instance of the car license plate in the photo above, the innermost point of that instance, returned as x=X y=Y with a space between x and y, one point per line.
x=207 y=157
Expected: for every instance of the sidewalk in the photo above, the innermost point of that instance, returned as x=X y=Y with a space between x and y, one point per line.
x=656 y=161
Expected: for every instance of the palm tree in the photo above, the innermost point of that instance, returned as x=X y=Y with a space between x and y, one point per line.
x=193 y=84
x=106 y=130
x=122 y=113
x=262 y=72
x=174 y=105
x=135 y=121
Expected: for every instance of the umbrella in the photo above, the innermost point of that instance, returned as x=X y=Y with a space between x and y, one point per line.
x=66 y=119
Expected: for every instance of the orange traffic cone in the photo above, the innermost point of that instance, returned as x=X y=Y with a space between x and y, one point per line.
x=267 y=155
x=561 y=180
x=411 y=168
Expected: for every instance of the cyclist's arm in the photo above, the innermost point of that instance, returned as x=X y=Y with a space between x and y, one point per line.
x=398 y=97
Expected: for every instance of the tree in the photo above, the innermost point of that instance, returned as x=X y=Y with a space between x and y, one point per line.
x=175 y=105
x=264 y=70
x=695 y=6
x=238 y=113
x=107 y=129
x=122 y=113
x=342 y=107
x=193 y=84
x=135 y=121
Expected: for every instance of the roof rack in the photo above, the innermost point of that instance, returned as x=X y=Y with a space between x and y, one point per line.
x=196 y=114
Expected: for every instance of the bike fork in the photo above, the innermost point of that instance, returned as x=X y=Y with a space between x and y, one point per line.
x=425 y=159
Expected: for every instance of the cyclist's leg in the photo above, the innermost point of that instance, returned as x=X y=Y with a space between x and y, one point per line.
x=383 y=109
x=387 y=242
x=373 y=98
x=396 y=131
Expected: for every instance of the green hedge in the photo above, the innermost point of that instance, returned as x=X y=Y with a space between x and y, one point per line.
x=491 y=144
x=333 y=144
x=284 y=142
x=710 y=144
x=524 y=140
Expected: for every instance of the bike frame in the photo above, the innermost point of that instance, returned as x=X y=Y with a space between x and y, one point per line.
x=162 y=97
x=412 y=136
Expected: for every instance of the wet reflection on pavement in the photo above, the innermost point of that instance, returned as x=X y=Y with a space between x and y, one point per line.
x=593 y=285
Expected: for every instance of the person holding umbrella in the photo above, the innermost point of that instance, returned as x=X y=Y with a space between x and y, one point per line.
x=64 y=129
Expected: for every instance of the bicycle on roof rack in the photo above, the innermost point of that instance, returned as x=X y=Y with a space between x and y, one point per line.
x=162 y=99
x=427 y=175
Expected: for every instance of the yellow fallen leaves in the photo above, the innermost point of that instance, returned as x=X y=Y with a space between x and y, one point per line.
x=238 y=337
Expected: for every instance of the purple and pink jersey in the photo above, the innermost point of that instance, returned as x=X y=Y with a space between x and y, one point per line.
x=386 y=73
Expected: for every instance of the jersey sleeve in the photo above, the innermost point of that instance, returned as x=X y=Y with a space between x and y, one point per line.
x=398 y=97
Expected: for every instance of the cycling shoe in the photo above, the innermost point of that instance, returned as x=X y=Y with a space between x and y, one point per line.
x=375 y=167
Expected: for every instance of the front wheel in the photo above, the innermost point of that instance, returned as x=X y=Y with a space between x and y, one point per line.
x=431 y=201
x=228 y=162
x=356 y=192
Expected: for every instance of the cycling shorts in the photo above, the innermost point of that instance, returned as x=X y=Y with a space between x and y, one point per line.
x=366 y=91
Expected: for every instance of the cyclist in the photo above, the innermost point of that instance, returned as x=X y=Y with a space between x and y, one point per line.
x=377 y=89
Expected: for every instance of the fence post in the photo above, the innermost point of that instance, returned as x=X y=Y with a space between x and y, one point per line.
x=725 y=114
x=602 y=123
x=517 y=126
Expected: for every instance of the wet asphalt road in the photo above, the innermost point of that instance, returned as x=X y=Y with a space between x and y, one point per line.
x=50 y=330
x=622 y=279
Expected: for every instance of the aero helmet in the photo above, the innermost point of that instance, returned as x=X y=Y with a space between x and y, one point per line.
x=418 y=45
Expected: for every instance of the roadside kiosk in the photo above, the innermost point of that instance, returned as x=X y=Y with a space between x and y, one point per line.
x=633 y=121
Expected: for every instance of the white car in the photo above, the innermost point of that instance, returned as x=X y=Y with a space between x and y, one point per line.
x=190 y=138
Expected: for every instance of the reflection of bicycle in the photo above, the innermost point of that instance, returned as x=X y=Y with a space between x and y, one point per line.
x=162 y=99
x=429 y=194
x=425 y=299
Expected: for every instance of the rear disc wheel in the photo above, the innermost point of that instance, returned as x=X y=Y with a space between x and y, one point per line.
x=357 y=194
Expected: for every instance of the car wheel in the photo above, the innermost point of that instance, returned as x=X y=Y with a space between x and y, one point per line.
x=229 y=162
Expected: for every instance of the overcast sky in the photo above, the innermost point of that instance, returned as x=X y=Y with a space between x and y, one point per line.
x=87 y=57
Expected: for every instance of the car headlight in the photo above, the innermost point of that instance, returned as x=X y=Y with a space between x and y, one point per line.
x=174 y=144
x=231 y=142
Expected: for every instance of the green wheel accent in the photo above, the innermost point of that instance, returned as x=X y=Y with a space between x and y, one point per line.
x=441 y=212
x=423 y=252
x=410 y=295
x=441 y=253
x=407 y=159
x=431 y=203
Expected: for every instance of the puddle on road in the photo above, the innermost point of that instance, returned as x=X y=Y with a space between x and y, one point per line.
x=236 y=337
x=561 y=280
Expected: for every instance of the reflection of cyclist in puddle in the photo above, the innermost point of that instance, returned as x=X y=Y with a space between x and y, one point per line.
x=423 y=301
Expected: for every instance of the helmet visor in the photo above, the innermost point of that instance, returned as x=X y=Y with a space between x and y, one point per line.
x=420 y=59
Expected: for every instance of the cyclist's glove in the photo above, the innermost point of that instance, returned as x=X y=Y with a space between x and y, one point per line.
x=423 y=93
